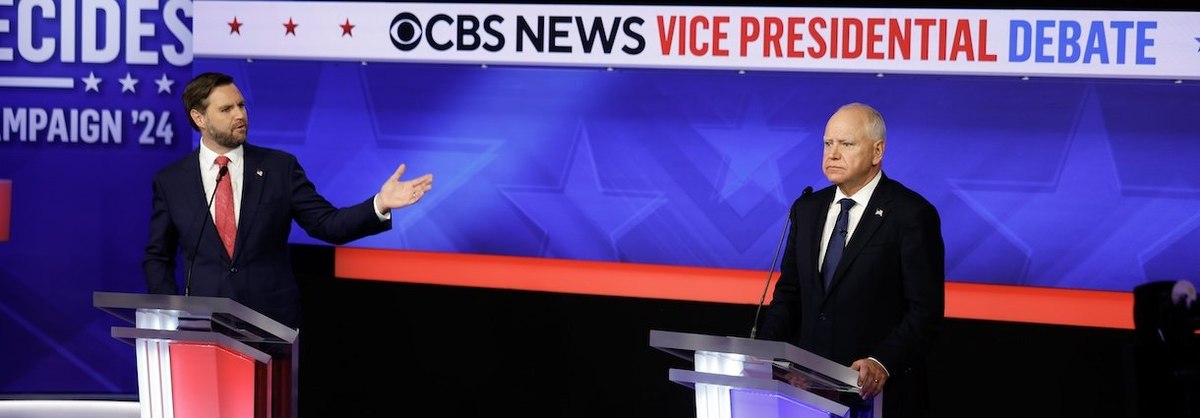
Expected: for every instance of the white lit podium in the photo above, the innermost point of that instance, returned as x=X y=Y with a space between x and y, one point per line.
x=205 y=357
x=743 y=377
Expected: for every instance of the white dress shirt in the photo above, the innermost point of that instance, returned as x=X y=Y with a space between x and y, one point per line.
x=237 y=166
x=860 y=198
x=208 y=173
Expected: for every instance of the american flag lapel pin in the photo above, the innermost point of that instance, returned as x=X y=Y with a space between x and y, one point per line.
x=259 y=172
x=878 y=212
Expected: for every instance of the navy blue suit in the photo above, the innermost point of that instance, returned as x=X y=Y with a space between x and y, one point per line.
x=886 y=298
x=275 y=192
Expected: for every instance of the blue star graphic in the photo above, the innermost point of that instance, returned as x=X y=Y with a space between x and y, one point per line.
x=749 y=151
x=582 y=219
x=348 y=146
x=455 y=158
x=1079 y=230
x=740 y=157
x=1198 y=40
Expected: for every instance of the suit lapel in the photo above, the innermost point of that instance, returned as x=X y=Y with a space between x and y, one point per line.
x=194 y=177
x=870 y=221
x=818 y=224
x=253 y=176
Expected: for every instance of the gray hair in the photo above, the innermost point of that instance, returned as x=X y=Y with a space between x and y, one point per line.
x=876 y=129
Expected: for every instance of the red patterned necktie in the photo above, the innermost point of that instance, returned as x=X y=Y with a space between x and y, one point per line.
x=226 y=223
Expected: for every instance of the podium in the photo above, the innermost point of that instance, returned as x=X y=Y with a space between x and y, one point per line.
x=205 y=357
x=743 y=377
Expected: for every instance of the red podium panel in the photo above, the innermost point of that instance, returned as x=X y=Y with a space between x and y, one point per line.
x=204 y=357
x=210 y=381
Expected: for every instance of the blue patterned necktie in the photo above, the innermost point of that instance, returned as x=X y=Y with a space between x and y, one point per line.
x=837 y=242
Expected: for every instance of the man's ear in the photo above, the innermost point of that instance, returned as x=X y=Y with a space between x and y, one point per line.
x=877 y=158
x=197 y=118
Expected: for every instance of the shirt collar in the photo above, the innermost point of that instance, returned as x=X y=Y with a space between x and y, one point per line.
x=208 y=157
x=863 y=195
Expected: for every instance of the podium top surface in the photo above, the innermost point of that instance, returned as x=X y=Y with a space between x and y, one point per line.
x=820 y=371
x=216 y=314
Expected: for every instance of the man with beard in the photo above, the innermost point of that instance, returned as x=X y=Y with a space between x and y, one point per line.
x=240 y=248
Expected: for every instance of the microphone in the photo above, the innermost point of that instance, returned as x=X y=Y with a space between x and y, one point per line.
x=187 y=281
x=770 y=272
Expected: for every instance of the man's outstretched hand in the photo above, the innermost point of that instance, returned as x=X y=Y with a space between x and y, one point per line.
x=397 y=193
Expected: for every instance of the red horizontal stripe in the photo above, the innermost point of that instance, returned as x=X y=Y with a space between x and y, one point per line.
x=1040 y=305
x=963 y=300
x=551 y=275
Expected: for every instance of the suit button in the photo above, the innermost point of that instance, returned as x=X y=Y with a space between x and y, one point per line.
x=233 y=269
x=821 y=316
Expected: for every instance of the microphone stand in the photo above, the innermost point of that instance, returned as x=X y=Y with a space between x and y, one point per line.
x=187 y=281
x=770 y=272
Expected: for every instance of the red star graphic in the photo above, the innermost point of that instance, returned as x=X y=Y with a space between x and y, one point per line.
x=235 y=26
x=291 y=27
x=346 y=28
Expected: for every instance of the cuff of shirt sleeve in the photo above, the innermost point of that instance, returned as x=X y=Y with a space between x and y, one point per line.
x=880 y=363
x=383 y=217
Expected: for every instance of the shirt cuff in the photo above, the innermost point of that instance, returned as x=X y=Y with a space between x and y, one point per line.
x=880 y=363
x=383 y=217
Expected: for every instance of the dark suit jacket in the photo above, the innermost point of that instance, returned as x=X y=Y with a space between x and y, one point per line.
x=259 y=275
x=887 y=295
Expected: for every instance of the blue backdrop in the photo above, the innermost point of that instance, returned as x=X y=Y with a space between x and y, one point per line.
x=1073 y=183
x=1048 y=182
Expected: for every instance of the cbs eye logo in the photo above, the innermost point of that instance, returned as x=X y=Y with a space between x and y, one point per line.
x=405 y=31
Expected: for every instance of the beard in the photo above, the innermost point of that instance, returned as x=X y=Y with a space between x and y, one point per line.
x=227 y=139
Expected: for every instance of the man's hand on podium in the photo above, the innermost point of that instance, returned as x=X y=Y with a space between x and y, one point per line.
x=871 y=377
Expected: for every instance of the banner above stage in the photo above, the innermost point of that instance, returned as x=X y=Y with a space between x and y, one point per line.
x=1105 y=44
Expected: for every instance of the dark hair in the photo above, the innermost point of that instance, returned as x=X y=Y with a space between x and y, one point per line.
x=195 y=95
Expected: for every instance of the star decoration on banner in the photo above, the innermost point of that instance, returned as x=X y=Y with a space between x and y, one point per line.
x=291 y=27
x=128 y=83
x=1080 y=229
x=235 y=27
x=91 y=83
x=1198 y=40
x=346 y=28
x=164 y=84
x=750 y=148
x=580 y=217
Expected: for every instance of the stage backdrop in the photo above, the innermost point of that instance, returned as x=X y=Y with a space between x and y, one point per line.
x=1057 y=146
x=89 y=109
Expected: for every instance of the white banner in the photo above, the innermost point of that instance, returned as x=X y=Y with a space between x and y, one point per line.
x=1109 y=44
